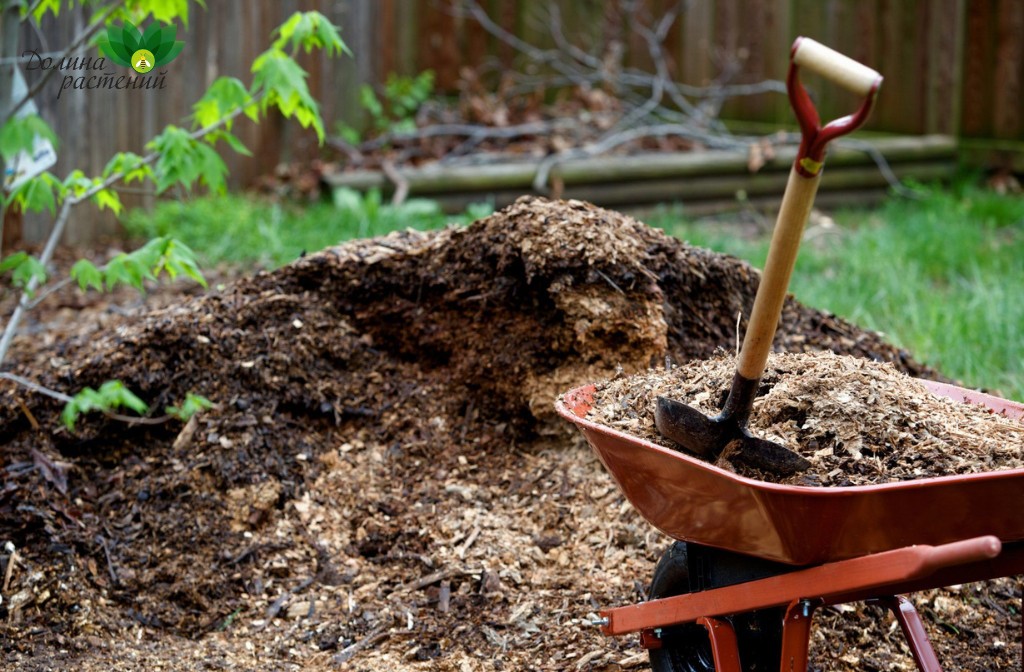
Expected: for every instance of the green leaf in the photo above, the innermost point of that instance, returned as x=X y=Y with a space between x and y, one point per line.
x=404 y=126
x=193 y=404
x=23 y=268
x=134 y=268
x=310 y=30
x=87 y=275
x=77 y=183
x=19 y=135
x=185 y=160
x=164 y=11
x=69 y=416
x=232 y=140
x=13 y=261
x=111 y=396
x=225 y=96
x=176 y=259
x=212 y=169
x=116 y=39
x=349 y=134
x=107 y=199
x=42 y=8
x=158 y=256
x=282 y=83
x=36 y=194
x=368 y=99
x=130 y=165
x=117 y=395
x=126 y=270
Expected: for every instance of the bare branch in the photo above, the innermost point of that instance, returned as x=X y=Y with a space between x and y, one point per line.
x=558 y=35
x=35 y=387
x=469 y=130
x=67 y=399
x=401 y=184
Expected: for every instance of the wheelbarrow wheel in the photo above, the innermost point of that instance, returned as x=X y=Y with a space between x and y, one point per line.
x=686 y=568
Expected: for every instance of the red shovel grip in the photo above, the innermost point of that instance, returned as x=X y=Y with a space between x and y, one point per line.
x=840 y=69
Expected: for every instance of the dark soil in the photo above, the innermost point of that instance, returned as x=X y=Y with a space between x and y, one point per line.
x=383 y=483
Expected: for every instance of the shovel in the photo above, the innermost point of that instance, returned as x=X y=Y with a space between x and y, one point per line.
x=708 y=437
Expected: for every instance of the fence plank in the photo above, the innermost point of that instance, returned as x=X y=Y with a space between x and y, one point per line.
x=951 y=66
x=1009 y=71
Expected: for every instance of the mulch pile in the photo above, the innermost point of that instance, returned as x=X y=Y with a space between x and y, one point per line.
x=856 y=421
x=383 y=483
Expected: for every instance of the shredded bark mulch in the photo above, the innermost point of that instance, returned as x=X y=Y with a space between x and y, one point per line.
x=383 y=483
x=856 y=421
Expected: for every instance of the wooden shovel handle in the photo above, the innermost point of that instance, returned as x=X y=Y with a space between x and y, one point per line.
x=835 y=67
x=764 y=318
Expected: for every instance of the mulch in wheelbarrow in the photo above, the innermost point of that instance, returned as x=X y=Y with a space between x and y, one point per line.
x=384 y=484
x=857 y=421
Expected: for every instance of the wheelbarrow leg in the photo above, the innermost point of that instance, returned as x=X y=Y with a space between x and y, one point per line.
x=796 y=634
x=724 y=647
x=913 y=630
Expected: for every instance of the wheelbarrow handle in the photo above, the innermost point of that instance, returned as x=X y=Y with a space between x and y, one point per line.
x=800 y=191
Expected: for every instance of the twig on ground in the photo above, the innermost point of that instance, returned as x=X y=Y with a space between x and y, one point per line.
x=401 y=184
x=434 y=577
x=444 y=597
x=469 y=542
x=12 y=560
x=376 y=635
x=275 y=607
x=110 y=562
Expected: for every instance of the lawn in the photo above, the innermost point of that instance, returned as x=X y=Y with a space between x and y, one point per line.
x=939 y=275
x=250 y=231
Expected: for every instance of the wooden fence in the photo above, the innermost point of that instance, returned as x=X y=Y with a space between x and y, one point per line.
x=951 y=66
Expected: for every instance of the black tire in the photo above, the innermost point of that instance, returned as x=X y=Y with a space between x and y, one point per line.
x=685 y=568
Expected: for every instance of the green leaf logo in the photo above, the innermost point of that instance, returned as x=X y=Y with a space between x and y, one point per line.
x=141 y=51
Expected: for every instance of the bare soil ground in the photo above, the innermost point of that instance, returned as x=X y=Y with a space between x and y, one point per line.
x=384 y=484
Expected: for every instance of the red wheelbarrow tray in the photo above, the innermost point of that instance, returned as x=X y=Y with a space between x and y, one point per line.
x=692 y=500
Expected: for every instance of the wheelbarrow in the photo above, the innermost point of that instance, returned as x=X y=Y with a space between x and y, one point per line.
x=754 y=560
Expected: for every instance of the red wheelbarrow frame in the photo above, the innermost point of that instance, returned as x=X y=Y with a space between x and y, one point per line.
x=877 y=577
x=864 y=542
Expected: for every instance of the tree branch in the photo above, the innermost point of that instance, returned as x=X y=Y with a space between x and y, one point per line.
x=25 y=302
x=35 y=387
x=64 y=398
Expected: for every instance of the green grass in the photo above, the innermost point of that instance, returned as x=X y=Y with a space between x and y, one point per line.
x=940 y=276
x=245 y=230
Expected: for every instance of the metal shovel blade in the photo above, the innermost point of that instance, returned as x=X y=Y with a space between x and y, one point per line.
x=708 y=437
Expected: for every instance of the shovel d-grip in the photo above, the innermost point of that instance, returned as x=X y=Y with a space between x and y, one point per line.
x=844 y=71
